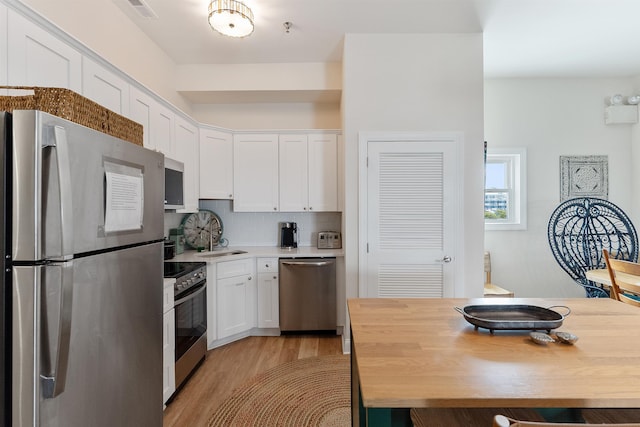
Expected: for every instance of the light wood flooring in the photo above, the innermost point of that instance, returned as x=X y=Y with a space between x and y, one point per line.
x=227 y=367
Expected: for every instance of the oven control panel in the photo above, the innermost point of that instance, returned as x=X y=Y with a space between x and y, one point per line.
x=190 y=279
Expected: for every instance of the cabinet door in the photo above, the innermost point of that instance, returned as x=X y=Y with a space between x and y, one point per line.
x=36 y=58
x=186 y=150
x=340 y=174
x=233 y=294
x=168 y=355
x=255 y=173
x=293 y=173
x=104 y=87
x=216 y=164
x=3 y=46
x=212 y=309
x=268 y=303
x=140 y=105
x=162 y=132
x=323 y=173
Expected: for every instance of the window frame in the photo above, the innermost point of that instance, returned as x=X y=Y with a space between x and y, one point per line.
x=516 y=160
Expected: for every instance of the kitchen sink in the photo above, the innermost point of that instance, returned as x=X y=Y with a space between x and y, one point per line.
x=219 y=254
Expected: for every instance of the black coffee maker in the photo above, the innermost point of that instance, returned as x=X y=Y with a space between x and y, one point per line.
x=288 y=235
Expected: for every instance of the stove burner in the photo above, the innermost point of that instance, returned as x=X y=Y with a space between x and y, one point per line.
x=176 y=269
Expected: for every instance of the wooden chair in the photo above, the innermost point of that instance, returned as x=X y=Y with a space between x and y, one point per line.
x=491 y=289
x=623 y=288
x=503 y=421
x=466 y=417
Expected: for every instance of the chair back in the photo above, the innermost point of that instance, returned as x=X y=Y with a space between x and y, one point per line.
x=487 y=267
x=579 y=229
x=625 y=279
x=502 y=421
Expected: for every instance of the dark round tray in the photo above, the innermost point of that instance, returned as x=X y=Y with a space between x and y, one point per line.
x=513 y=317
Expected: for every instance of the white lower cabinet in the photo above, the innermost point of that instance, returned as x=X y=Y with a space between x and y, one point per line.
x=236 y=302
x=268 y=296
x=168 y=342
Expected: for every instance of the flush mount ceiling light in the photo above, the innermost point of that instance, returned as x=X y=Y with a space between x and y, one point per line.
x=231 y=18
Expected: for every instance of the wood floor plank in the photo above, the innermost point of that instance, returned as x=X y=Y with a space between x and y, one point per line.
x=228 y=367
x=308 y=347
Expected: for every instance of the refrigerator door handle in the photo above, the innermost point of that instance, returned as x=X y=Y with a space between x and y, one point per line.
x=64 y=185
x=53 y=383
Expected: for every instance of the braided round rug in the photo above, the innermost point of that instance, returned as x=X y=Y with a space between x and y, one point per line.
x=311 y=392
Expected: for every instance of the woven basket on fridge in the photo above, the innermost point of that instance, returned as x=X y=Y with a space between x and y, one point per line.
x=74 y=107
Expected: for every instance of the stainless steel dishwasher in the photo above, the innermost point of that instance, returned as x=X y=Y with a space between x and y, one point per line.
x=307 y=294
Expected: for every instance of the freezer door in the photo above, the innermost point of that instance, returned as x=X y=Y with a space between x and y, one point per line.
x=88 y=351
x=76 y=190
x=4 y=303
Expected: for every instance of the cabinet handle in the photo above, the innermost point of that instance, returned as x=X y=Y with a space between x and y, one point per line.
x=275 y=277
x=275 y=209
x=304 y=209
x=249 y=278
x=310 y=208
x=230 y=195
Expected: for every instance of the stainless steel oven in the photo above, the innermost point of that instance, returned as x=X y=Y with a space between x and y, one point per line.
x=190 y=304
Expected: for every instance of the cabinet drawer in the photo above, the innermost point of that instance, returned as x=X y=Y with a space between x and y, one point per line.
x=267 y=265
x=235 y=268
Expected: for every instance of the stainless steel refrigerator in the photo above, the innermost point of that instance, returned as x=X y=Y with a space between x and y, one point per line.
x=81 y=220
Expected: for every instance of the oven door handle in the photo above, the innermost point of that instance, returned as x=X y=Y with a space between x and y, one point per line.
x=191 y=295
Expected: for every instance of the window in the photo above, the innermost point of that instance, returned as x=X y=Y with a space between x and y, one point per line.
x=505 y=189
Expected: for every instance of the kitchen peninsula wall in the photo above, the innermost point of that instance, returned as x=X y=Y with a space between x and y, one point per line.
x=262 y=228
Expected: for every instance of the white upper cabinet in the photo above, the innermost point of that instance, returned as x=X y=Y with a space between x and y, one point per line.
x=340 y=174
x=255 y=172
x=186 y=151
x=3 y=45
x=308 y=173
x=293 y=172
x=162 y=134
x=36 y=58
x=140 y=112
x=104 y=87
x=216 y=164
x=323 y=172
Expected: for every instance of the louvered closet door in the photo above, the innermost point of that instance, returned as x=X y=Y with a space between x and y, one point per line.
x=411 y=197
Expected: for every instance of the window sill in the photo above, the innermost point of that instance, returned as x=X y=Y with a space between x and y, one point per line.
x=504 y=226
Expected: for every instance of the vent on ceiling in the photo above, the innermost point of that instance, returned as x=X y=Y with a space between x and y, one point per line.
x=143 y=9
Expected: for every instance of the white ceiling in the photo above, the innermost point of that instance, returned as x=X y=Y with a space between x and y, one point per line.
x=573 y=38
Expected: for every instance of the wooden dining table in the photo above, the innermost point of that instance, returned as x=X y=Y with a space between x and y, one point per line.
x=416 y=353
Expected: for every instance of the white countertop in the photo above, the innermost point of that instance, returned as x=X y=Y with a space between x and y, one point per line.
x=257 y=251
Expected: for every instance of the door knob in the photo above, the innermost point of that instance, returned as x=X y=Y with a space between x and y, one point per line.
x=446 y=259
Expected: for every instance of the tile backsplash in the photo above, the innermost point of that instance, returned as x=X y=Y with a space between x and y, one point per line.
x=262 y=228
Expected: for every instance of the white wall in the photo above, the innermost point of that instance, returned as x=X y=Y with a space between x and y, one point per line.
x=635 y=160
x=550 y=118
x=104 y=28
x=415 y=82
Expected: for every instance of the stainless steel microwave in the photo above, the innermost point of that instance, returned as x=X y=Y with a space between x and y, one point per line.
x=173 y=184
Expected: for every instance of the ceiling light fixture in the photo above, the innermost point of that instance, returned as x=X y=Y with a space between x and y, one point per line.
x=231 y=18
